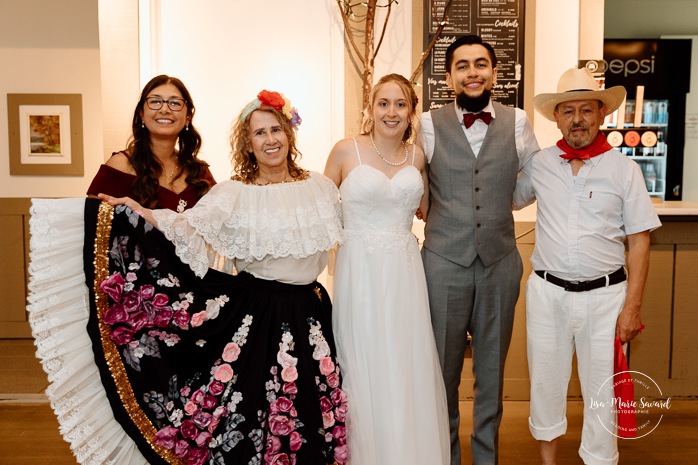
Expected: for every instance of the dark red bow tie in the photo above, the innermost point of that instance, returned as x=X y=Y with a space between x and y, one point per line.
x=469 y=118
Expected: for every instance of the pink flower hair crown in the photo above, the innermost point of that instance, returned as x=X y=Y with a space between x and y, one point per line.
x=267 y=98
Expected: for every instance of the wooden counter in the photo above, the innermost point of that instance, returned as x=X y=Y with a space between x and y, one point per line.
x=665 y=350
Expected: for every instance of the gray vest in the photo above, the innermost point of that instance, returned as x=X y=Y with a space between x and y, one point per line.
x=470 y=211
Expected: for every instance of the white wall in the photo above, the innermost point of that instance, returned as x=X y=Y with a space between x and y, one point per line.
x=226 y=52
x=51 y=48
x=556 y=51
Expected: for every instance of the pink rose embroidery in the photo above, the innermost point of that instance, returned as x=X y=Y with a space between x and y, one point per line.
x=181 y=318
x=223 y=373
x=202 y=419
x=216 y=388
x=231 y=352
x=333 y=380
x=289 y=374
x=181 y=448
x=325 y=404
x=220 y=412
x=340 y=454
x=197 y=456
x=280 y=459
x=198 y=396
x=132 y=301
x=290 y=388
x=338 y=396
x=209 y=402
x=340 y=413
x=198 y=319
x=281 y=425
x=115 y=314
x=166 y=437
x=295 y=441
x=213 y=425
x=340 y=434
x=282 y=404
x=326 y=366
x=203 y=439
x=189 y=430
x=160 y=300
x=138 y=320
x=190 y=408
x=113 y=286
x=163 y=316
x=147 y=291
x=121 y=335
x=327 y=419
x=273 y=445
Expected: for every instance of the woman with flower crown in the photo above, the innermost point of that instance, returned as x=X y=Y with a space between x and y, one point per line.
x=212 y=336
x=397 y=401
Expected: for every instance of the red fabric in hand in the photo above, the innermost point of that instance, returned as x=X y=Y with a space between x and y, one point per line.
x=624 y=392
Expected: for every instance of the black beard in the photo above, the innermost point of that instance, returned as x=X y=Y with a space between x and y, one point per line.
x=473 y=104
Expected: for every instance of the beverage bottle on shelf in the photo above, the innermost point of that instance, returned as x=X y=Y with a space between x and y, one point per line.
x=661 y=144
x=650 y=177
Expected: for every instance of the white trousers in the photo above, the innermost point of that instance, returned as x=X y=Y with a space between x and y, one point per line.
x=558 y=324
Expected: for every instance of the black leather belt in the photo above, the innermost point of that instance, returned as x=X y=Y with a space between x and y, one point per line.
x=616 y=277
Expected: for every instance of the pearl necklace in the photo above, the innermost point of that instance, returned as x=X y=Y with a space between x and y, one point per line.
x=370 y=134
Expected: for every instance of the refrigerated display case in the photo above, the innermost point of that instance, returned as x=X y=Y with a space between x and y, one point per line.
x=656 y=75
x=643 y=139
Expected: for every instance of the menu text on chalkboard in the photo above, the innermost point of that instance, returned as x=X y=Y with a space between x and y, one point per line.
x=498 y=22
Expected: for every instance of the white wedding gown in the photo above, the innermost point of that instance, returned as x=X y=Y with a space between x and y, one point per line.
x=385 y=344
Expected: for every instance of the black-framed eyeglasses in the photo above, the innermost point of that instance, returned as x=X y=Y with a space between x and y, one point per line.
x=175 y=104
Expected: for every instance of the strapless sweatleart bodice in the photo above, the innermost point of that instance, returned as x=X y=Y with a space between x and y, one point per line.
x=376 y=207
x=382 y=325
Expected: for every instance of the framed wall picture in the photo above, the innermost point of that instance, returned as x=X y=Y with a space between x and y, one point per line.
x=45 y=134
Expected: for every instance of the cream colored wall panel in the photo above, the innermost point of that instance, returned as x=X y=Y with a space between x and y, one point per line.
x=684 y=364
x=650 y=351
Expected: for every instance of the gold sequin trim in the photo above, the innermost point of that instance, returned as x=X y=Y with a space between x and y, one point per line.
x=318 y=293
x=111 y=352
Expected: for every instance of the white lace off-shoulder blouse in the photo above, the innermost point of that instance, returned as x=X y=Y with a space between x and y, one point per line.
x=279 y=232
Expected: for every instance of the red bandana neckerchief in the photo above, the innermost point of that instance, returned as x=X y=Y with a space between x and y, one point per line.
x=599 y=146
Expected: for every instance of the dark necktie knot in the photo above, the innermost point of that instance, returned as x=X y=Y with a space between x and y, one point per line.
x=469 y=118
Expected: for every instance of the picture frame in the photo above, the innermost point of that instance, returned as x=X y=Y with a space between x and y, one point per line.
x=45 y=134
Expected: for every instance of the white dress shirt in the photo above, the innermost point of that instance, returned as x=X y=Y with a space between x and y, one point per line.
x=583 y=220
x=526 y=144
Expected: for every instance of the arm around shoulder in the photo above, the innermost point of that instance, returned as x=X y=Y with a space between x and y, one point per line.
x=336 y=166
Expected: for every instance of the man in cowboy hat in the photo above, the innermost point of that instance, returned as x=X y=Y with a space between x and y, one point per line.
x=475 y=149
x=590 y=199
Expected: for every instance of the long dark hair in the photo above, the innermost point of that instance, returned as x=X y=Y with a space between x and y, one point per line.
x=147 y=168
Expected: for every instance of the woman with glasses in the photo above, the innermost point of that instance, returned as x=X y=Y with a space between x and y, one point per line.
x=160 y=167
x=212 y=336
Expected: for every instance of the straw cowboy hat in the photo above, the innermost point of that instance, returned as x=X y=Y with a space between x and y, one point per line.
x=578 y=84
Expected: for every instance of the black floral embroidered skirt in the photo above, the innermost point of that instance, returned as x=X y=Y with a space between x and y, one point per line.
x=220 y=370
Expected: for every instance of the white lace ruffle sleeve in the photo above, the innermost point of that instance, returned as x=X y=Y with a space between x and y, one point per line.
x=251 y=223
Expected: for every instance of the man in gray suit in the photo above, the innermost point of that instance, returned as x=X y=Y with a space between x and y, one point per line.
x=475 y=149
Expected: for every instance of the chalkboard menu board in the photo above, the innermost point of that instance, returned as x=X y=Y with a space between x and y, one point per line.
x=498 y=22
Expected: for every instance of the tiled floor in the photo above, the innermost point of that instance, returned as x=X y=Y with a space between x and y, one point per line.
x=29 y=430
